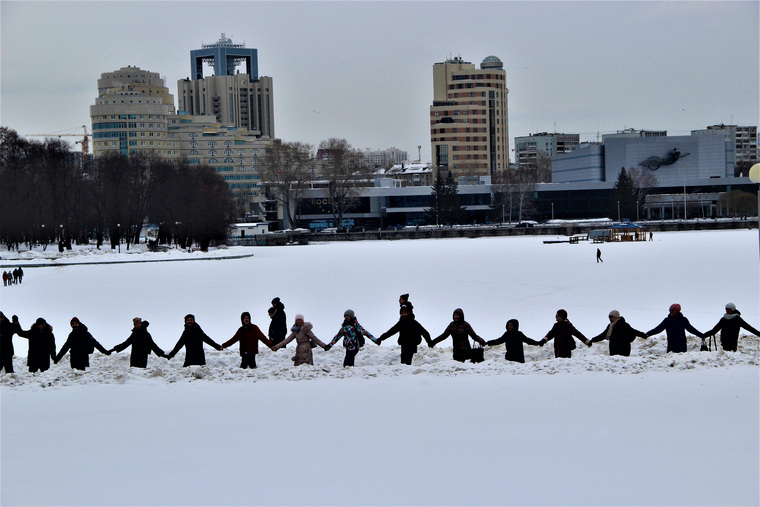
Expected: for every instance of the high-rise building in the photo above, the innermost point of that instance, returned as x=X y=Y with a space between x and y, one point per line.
x=130 y=114
x=385 y=158
x=469 y=130
x=527 y=148
x=244 y=100
x=743 y=139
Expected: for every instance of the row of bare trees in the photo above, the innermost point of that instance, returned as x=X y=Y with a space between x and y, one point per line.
x=291 y=167
x=48 y=193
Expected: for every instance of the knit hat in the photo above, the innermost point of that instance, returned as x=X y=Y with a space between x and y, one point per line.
x=41 y=322
x=349 y=313
x=676 y=307
x=189 y=316
x=74 y=319
x=275 y=301
x=615 y=313
x=405 y=297
x=562 y=313
x=299 y=316
x=136 y=320
x=731 y=306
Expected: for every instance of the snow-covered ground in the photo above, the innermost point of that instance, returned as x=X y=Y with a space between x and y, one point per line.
x=654 y=428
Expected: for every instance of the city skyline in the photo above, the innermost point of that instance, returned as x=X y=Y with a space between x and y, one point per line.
x=363 y=70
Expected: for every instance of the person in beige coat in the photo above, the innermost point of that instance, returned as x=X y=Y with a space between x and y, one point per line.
x=302 y=334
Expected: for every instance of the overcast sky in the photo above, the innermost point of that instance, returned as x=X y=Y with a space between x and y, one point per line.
x=363 y=70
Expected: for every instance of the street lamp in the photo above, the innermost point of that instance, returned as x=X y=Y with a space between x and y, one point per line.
x=754 y=175
x=552 y=211
x=618 y=211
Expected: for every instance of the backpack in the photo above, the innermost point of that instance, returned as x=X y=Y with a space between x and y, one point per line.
x=359 y=337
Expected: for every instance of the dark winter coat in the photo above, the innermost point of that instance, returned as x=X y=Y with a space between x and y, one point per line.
x=562 y=332
x=278 y=328
x=621 y=337
x=675 y=328
x=249 y=337
x=514 y=342
x=459 y=331
x=192 y=339
x=303 y=337
x=41 y=347
x=729 y=327
x=142 y=344
x=7 y=330
x=410 y=333
x=82 y=344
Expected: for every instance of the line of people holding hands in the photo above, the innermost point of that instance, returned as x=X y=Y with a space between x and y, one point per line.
x=80 y=343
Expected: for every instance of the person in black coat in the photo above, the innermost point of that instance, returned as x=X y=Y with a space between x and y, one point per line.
x=563 y=332
x=459 y=330
x=410 y=333
x=514 y=339
x=620 y=334
x=729 y=326
x=278 y=328
x=403 y=300
x=7 y=330
x=82 y=344
x=142 y=344
x=192 y=339
x=41 y=345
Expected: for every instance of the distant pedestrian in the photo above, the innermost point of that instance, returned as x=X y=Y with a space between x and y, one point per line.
x=729 y=326
x=675 y=326
x=142 y=344
x=651 y=236
x=82 y=344
x=460 y=332
x=410 y=334
x=353 y=335
x=513 y=340
x=305 y=339
x=5 y=278
x=192 y=339
x=620 y=335
x=598 y=256
x=562 y=333
x=249 y=335
x=278 y=328
x=41 y=345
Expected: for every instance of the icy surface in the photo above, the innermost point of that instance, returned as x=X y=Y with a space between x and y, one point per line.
x=653 y=428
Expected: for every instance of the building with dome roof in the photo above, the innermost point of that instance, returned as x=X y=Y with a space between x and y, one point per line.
x=469 y=124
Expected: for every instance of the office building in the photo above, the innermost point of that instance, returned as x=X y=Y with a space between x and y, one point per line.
x=241 y=99
x=130 y=113
x=469 y=130
x=528 y=148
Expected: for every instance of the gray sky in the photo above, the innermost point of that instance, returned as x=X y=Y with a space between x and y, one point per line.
x=363 y=70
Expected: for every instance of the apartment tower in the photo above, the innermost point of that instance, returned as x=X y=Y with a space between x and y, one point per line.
x=469 y=130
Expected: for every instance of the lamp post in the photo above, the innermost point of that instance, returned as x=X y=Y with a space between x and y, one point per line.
x=618 y=211
x=754 y=175
x=552 y=211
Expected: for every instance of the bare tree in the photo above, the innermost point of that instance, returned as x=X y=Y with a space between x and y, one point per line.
x=643 y=181
x=287 y=171
x=345 y=168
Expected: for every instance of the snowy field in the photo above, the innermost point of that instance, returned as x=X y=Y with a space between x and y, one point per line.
x=653 y=428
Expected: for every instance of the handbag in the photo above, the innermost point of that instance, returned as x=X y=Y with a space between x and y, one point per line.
x=476 y=353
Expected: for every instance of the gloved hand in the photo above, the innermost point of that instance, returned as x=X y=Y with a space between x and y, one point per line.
x=328 y=346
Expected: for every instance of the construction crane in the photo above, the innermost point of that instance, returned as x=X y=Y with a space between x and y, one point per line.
x=85 y=142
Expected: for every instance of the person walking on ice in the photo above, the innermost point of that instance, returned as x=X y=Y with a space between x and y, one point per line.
x=598 y=256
